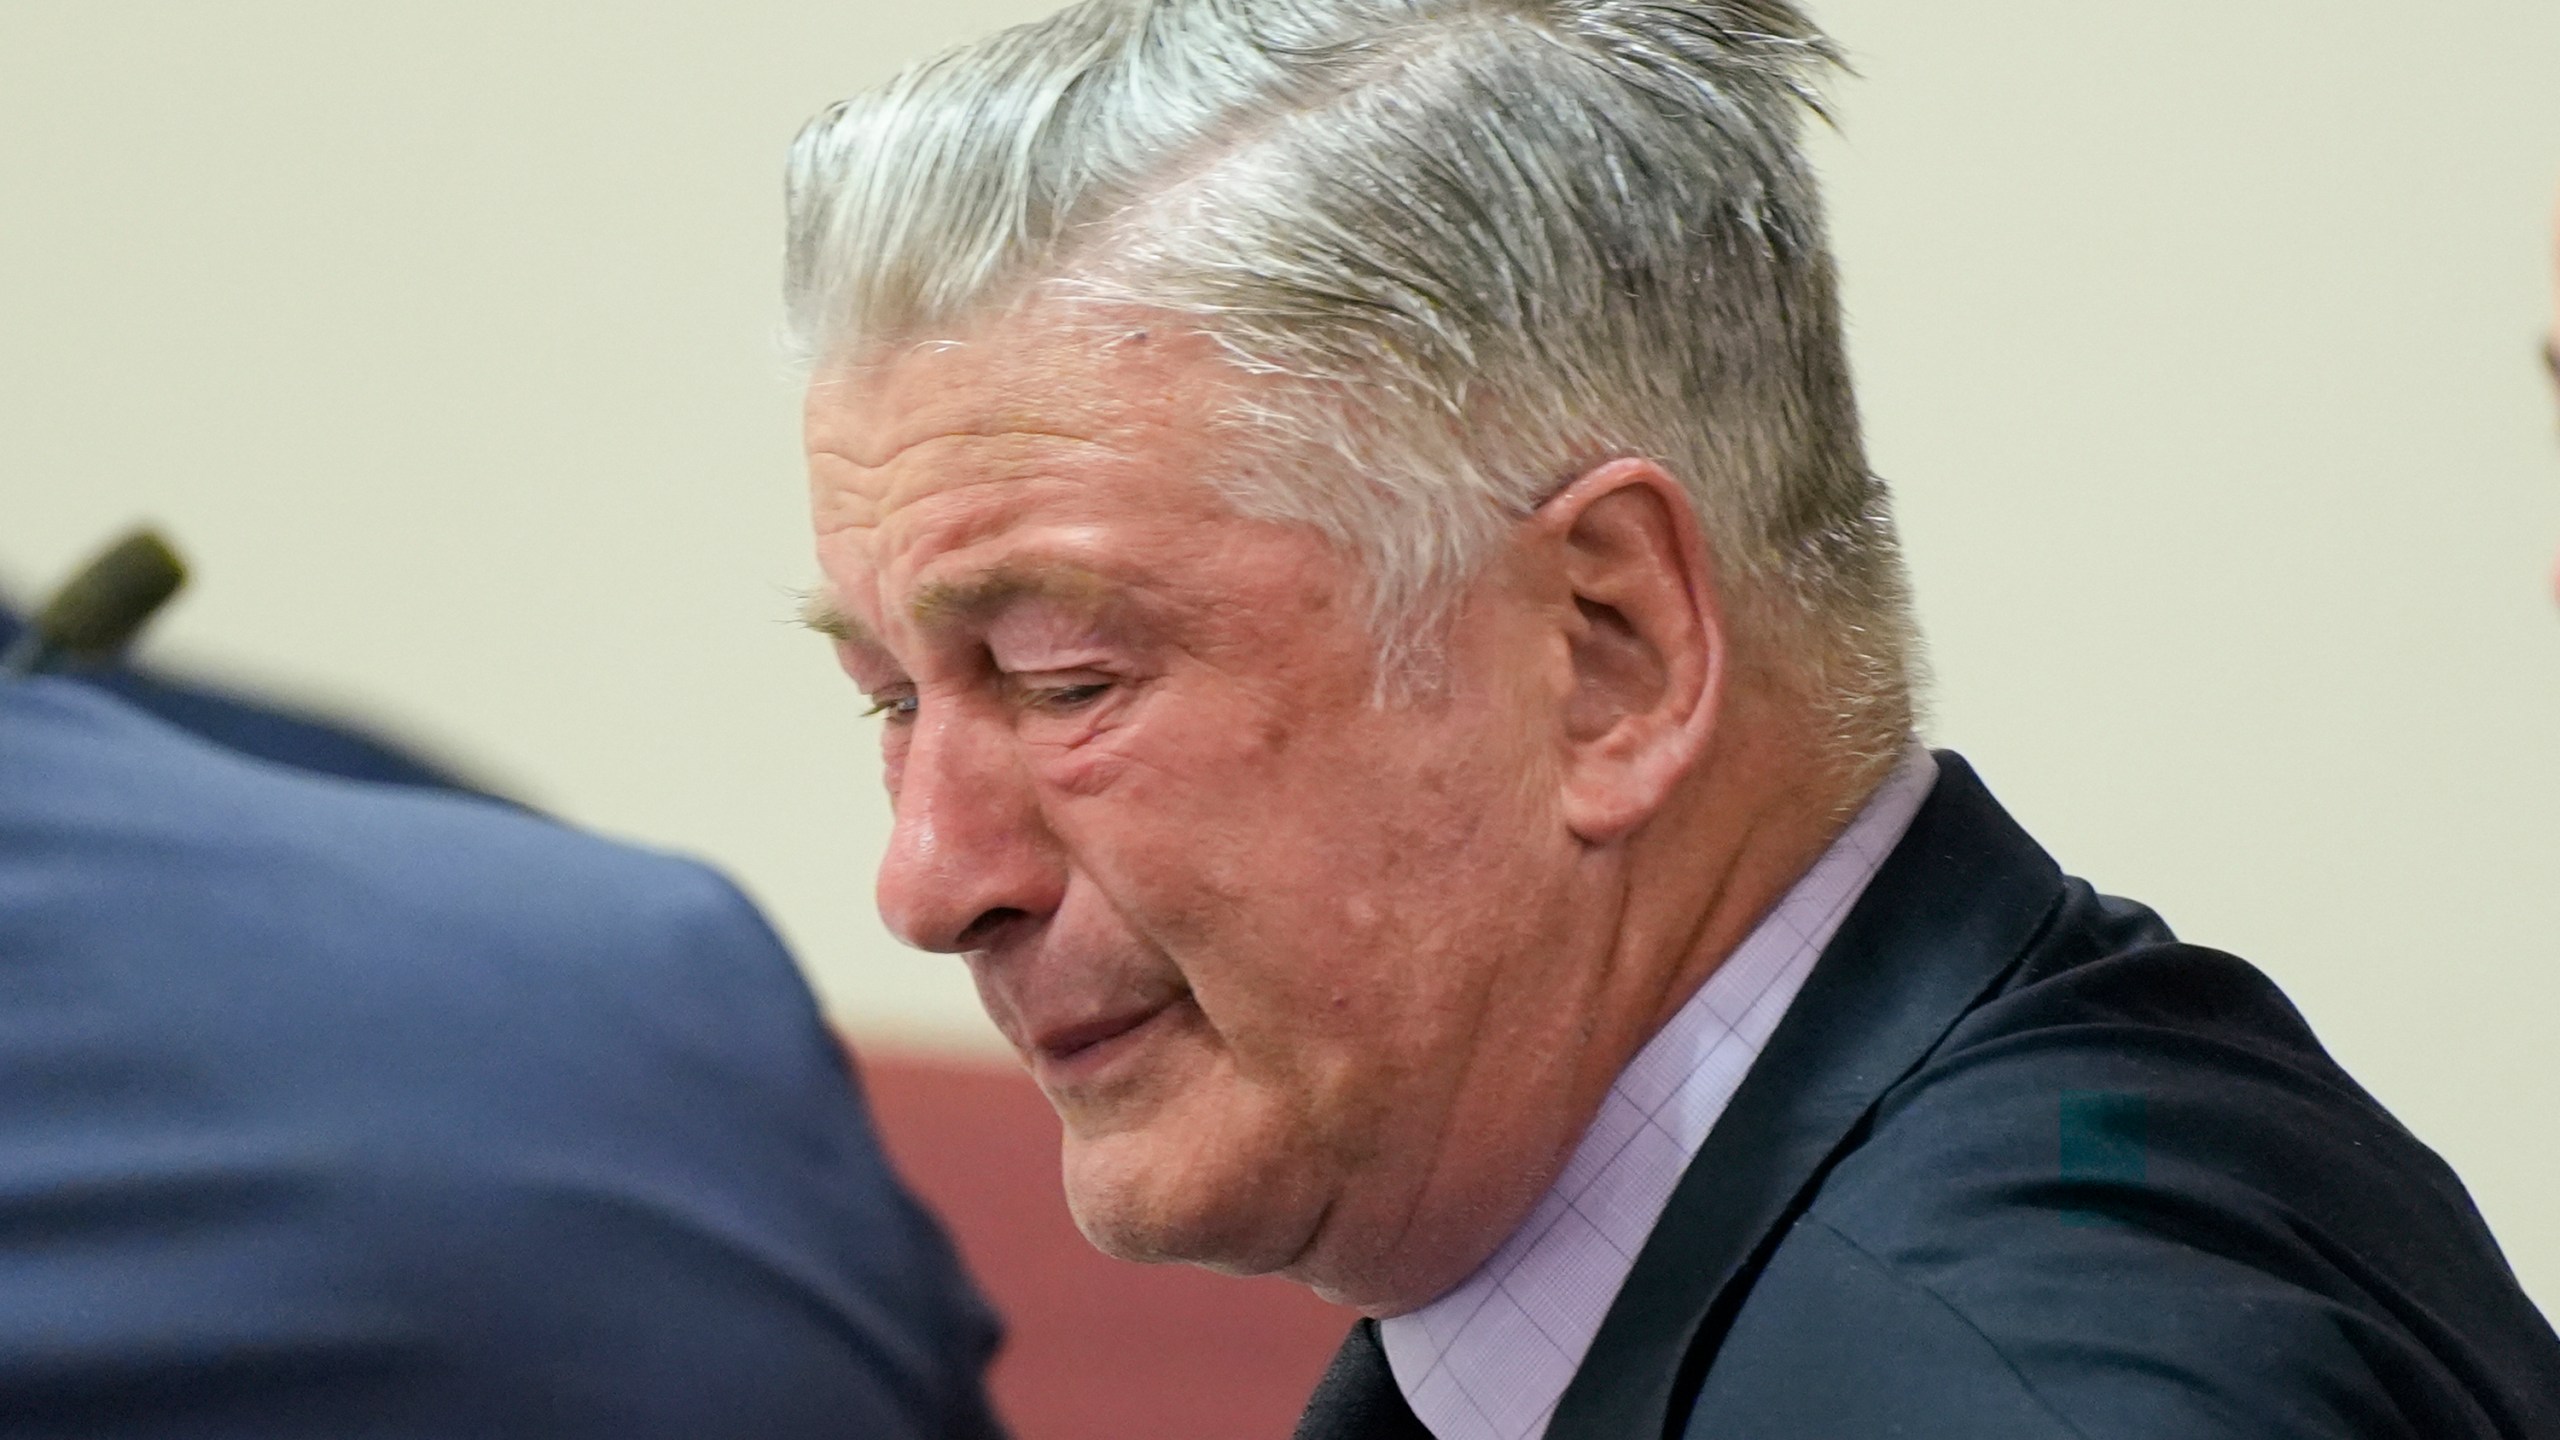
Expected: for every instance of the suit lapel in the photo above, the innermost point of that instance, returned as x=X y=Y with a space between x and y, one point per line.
x=1950 y=911
x=1358 y=1398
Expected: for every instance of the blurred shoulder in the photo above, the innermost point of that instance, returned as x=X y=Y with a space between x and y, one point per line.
x=123 y=794
x=200 y=894
x=365 y=1076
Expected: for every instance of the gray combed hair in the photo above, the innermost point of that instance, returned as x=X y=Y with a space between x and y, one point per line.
x=1475 y=246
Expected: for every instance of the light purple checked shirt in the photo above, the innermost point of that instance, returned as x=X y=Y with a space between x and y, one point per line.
x=1490 y=1359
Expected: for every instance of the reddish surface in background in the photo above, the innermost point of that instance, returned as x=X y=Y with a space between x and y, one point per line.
x=1095 y=1348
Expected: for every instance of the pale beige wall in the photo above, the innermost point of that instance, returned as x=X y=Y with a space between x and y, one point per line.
x=2197 y=336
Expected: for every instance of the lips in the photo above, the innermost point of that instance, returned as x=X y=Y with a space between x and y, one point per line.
x=1063 y=1055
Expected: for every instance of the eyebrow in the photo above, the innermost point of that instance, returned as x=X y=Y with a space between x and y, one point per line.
x=947 y=603
x=958 y=602
x=820 y=612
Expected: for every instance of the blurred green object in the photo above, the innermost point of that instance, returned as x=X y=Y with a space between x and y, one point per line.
x=99 y=610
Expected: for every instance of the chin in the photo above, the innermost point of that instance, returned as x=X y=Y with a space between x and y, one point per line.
x=1169 y=1193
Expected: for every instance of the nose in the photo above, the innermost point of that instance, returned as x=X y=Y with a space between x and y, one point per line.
x=969 y=852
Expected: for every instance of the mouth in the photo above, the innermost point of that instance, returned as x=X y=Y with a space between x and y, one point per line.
x=1072 y=1055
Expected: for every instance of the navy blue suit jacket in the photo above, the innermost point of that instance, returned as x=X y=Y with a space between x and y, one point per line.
x=2017 y=1165
x=334 y=1109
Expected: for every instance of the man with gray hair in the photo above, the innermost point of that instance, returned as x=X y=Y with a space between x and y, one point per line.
x=1398 y=680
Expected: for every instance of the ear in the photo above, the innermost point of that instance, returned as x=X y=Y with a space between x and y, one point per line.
x=1646 y=642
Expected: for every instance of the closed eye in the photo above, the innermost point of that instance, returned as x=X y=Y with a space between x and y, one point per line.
x=897 y=705
x=1067 y=697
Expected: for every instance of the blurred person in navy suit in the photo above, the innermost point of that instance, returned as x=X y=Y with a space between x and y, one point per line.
x=333 y=1108
x=260 y=727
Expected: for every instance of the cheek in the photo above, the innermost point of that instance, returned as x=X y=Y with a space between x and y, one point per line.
x=1089 y=768
x=1339 y=912
x=1326 y=903
x=893 y=760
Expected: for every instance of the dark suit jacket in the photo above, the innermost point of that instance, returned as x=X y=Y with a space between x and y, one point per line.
x=2018 y=1165
x=329 y=1109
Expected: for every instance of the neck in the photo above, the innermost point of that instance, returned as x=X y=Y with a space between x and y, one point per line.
x=1681 y=894
x=1762 y=811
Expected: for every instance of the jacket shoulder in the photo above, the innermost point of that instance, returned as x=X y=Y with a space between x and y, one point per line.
x=2135 y=1175
x=107 y=802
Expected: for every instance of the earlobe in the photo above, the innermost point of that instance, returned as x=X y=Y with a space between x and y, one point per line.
x=1646 y=644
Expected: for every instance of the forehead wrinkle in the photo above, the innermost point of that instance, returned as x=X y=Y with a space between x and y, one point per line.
x=860 y=496
x=902 y=448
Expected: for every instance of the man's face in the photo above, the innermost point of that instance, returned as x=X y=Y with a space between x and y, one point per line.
x=1285 y=959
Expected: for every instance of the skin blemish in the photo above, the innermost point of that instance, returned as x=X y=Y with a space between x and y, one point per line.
x=1273 y=734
